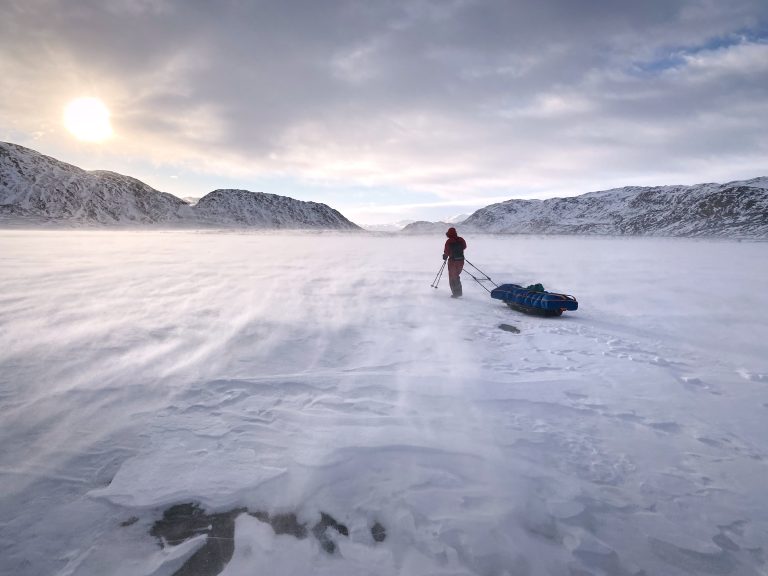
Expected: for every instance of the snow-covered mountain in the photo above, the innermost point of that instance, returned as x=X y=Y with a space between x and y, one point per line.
x=736 y=209
x=391 y=227
x=425 y=227
x=38 y=189
x=261 y=210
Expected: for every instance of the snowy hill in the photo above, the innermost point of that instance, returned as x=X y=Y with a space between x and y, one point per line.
x=391 y=227
x=37 y=189
x=258 y=209
x=736 y=209
x=424 y=227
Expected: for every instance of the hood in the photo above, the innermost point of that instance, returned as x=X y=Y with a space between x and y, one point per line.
x=451 y=233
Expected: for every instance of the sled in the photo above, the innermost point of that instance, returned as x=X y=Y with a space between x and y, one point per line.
x=541 y=303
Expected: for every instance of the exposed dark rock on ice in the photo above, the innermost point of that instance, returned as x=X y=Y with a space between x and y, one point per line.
x=320 y=531
x=184 y=521
x=378 y=532
x=283 y=524
x=130 y=522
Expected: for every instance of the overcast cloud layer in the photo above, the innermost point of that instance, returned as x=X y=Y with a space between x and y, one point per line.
x=463 y=101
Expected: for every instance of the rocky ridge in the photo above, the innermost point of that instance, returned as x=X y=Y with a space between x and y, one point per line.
x=733 y=210
x=262 y=210
x=39 y=190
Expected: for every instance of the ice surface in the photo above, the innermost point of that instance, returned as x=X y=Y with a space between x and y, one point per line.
x=309 y=373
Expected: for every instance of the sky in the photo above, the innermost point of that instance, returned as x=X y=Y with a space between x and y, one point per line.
x=405 y=109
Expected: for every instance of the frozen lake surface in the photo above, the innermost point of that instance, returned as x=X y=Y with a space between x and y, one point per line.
x=319 y=373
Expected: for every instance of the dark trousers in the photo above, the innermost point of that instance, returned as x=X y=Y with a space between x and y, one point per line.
x=454 y=270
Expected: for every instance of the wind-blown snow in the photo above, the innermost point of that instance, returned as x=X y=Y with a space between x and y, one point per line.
x=320 y=372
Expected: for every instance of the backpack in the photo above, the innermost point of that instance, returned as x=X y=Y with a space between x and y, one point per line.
x=457 y=249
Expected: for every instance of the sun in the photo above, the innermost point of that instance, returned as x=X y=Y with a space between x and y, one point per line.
x=88 y=119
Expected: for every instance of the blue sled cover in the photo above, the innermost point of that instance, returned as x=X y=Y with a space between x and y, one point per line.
x=547 y=303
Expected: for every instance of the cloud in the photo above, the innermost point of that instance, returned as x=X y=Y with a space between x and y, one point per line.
x=461 y=99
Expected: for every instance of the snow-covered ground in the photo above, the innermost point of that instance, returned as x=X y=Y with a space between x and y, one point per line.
x=313 y=373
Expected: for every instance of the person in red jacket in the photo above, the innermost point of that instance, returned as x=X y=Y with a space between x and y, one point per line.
x=454 y=253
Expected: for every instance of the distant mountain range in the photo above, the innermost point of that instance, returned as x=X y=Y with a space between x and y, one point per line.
x=427 y=227
x=398 y=226
x=734 y=210
x=393 y=227
x=39 y=190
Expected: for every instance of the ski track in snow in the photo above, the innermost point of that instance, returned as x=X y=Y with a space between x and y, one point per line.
x=320 y=372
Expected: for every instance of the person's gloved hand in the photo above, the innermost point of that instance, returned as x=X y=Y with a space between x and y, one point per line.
x=445 y=256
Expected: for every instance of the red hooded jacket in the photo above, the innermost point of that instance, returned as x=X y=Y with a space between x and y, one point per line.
x=454 y=246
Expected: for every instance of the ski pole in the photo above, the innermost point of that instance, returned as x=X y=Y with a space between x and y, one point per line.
x=436 y=281
x=439 y=275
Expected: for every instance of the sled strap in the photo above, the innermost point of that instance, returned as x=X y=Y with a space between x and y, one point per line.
x=485 y=276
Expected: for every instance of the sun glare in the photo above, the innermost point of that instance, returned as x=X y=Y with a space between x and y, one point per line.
x=88 y=119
